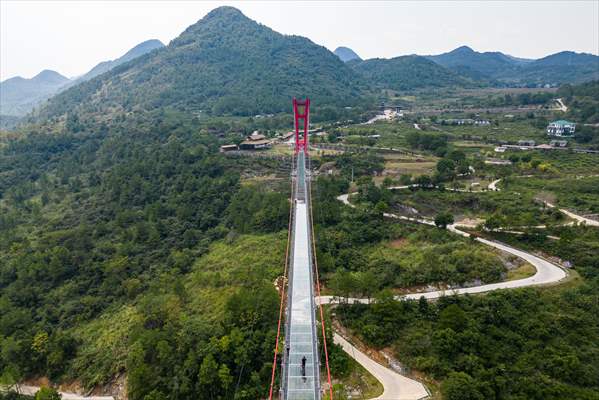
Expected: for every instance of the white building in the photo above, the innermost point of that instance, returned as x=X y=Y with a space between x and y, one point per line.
x=561 y=128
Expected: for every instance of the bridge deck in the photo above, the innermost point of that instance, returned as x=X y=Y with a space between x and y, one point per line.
x=302 y=340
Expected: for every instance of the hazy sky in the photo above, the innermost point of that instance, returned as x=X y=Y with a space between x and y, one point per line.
x=73 y=36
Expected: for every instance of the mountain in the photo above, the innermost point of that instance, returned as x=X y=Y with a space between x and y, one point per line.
x=567 y=58
x=139 y=50
x=559 y=68
x=226 y=64
x=19 y=95
x=500 y=68
x=346 y=54
x=488 y=64
x=408 y=72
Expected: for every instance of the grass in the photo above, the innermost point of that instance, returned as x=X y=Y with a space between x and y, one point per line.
x=519 y=208
x=239 y=261
x=359 y=382
x=104 y=344
x=577 y=194
x=245 y=260
x=410 y=168
x=523 y=271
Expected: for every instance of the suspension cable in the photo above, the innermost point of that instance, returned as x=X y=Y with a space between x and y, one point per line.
x=274 y=363
x=324 y=337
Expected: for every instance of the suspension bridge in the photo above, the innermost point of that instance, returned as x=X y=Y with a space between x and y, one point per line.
x=301 y=362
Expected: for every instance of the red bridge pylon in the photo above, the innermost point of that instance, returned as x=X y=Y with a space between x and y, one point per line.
x=301 y=112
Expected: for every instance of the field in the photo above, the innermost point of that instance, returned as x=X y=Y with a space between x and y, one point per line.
x=580 y=194
x=516 y=209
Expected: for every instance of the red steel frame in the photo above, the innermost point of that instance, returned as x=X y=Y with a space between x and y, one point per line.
x=305 y=117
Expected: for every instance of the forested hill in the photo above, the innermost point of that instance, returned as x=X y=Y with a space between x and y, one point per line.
x=226 y=64
x=408 y=72
x=503 y=69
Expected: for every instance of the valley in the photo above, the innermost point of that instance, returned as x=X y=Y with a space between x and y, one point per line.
x=430 y=231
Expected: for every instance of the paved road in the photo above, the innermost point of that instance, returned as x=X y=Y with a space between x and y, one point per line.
x=562 y=106
x=547 y=272
x=396 y=386
x=32 y=390
x=493 y=185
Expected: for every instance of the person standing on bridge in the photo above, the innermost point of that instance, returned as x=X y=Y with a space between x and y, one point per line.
x=304 y=368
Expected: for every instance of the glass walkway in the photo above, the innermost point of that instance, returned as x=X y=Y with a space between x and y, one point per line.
x=301 y=377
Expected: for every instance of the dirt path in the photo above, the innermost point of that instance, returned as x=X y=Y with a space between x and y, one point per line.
x=579 y=218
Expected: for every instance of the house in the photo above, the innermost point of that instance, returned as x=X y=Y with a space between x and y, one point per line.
x=497 y=161
x=287 y=136
x=228 y=147
x=457 y=121
x=528 y=143
x=256 y=136
x=558 y=143
x=255 y=141
x=561 y=128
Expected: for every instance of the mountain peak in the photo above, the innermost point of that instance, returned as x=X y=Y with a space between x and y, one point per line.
x=49 y=76
x=463 y=49
x=221 y=21
x=346 y=54
x=140 y=49
x=224 y=12
x=225 y=63
x=153 y=43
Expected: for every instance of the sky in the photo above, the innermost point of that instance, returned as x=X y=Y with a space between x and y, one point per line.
x=72 y=36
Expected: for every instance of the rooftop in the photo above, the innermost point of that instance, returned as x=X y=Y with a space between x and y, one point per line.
x=256 y=142
x=256 y=136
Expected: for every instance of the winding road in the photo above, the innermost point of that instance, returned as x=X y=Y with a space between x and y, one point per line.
x=396 y=386
x=547 y=272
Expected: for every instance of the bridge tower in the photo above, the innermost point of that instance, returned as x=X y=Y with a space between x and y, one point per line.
x=301 y=113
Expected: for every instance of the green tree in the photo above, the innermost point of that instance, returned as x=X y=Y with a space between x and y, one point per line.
x=47 y=393
x=368 y=283
x=381 y=208
x=460 y=386
x=443 y=219
x=208 y=377
x=453 y=317
x=224 y=376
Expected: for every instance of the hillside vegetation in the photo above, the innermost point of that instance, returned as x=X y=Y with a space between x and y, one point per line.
x=223 y=64
x=407 y=73
x=502 y=69
x=124 y=250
